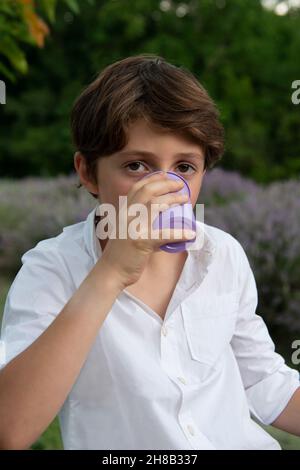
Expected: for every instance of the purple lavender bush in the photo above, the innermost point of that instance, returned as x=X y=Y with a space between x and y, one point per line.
x=220 y=187
x=267 y=224
x=33 y=209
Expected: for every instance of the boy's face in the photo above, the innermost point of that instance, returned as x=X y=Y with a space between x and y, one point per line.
x=118 y=172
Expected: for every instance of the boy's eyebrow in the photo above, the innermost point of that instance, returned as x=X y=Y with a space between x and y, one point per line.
x=151 y=154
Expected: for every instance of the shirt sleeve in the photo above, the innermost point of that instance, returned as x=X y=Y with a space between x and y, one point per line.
x=38 y=293
x=269 y=383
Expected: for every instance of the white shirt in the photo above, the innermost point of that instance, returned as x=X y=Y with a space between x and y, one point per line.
x=190 y=381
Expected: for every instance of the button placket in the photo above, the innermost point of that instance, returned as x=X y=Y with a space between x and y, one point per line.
x=164 y=330
x=172 y=366
x=170 y=354
x=196 y=438
x=182 y=380
x=190 y=429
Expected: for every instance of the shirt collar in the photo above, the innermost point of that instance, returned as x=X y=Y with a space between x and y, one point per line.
x=201 y=251
x=89 y=233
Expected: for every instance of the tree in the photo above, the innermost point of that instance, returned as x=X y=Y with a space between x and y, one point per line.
x=245 y=55
x=21 y=24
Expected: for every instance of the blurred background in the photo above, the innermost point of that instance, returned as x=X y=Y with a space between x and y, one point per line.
x=245 y=53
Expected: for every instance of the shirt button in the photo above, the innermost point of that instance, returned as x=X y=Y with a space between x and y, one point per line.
x=164 y=330
x=190 y=429
x=182 y=380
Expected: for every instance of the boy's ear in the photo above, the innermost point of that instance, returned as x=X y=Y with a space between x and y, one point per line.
x=77 y=156
x=81 y=169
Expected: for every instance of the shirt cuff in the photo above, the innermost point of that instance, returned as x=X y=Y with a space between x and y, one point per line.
x=268 y=398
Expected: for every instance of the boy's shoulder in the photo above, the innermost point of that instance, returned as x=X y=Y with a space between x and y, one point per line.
x=69 y=243
x=222 y=240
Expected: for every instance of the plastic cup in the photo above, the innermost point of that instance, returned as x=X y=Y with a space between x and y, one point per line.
x=180 y=216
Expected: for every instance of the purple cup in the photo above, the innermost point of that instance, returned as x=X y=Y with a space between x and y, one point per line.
x=179 y=216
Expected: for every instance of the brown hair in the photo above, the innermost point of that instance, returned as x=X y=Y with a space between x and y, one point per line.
x=168 y=97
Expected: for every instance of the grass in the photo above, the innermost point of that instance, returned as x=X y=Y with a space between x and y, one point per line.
x=286 y=440
x=51 y=438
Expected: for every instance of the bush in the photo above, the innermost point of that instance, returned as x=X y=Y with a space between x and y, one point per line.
x=33 y=209
x=266 y=222
x=220 y=187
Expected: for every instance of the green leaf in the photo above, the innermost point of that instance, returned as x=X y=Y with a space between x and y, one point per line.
x=49 y=7
x=73 y=5
x=7 y=73
x=17 y=58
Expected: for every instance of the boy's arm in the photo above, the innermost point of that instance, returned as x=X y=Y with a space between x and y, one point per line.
x=289 y=418
x=47 y=332
x=272 y=388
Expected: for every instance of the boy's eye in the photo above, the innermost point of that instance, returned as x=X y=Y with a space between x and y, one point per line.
x=186 y=166
x=134 y=167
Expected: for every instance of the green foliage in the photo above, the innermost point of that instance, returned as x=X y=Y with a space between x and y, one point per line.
x=246 y=56
x=12 y=32
x=50 y=439
x=20 y=24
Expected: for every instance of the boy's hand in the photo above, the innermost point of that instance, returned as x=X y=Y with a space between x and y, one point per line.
x=128 y=257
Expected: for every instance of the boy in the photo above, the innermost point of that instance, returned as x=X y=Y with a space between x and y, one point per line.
x=134 y=347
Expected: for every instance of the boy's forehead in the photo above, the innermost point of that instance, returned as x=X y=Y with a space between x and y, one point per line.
x=147 y=154
x=140 y=130
x=145 y=140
